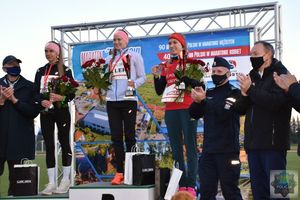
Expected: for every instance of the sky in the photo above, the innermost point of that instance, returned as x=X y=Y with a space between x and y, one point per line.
x=25 y=26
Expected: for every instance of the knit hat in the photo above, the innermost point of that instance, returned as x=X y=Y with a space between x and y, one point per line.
x=179 y=37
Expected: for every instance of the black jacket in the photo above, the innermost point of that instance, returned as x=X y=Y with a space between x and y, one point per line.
x=221 y=126
x=54 y=71
x=268 y=113
x=17 y=139
x=294 y=94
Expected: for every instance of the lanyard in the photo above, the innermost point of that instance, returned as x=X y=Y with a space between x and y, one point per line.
x=46 y=75
x=114 y=66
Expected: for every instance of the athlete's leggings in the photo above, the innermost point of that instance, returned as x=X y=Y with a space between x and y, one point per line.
x=62 y=119
x=122 y=120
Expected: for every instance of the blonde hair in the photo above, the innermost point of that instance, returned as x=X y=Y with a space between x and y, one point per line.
x=182 y=195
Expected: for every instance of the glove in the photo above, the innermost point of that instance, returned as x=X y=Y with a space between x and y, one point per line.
x=229 y=102
x=298 y=150
x=191 y=82
x=186 y=80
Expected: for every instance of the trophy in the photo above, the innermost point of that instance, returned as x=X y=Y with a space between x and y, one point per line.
x=130 y=91
x=47 y=92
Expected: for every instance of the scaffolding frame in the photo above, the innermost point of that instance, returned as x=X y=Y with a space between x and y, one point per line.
x=265 y=20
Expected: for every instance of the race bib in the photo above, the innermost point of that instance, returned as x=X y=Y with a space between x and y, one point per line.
x=119 y=71
x=44 y=86
x=171 y=94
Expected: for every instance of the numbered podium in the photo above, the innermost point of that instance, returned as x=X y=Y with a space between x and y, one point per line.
x=106 y=191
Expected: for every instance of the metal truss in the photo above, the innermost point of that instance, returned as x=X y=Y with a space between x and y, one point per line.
x=265 y=20
x=262 y=20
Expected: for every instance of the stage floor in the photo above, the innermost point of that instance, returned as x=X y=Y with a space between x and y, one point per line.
x=96 y=185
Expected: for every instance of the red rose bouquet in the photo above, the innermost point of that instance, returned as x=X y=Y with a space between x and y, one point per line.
x=187 y=71
x=63 y=86
x=97 y=76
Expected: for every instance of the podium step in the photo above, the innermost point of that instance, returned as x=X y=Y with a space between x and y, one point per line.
x=106 y=191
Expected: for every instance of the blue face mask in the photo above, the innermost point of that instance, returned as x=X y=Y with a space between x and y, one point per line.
x=13 y=71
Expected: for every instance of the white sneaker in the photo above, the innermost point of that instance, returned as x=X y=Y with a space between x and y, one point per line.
x=50 y=188
x=63 y=187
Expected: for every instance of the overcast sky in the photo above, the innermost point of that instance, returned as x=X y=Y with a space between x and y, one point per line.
x=25 y=25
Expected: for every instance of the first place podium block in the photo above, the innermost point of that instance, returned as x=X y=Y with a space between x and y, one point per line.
x=106 y=191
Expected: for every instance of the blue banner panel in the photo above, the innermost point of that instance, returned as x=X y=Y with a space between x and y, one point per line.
x=231 y=43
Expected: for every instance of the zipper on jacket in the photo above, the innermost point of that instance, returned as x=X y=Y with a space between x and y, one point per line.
x=116 y=91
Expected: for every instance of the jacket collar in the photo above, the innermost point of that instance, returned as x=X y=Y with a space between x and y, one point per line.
x=227 y=84
x=19 y=84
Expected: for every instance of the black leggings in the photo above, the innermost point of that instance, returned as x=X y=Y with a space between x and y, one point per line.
x=122 y=119
x=62 y=119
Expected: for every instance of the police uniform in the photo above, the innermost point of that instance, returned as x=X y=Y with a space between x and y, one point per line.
x=220 y=156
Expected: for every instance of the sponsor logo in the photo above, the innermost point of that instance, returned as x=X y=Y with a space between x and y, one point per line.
x=283 y=184
x=23 y=181
x=148 y=170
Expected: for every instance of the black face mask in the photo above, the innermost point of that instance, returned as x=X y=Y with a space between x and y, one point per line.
x=257 y=62
x=218 y=79
x=175 y=57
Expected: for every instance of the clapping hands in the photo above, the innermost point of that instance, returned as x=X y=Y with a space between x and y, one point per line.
x=198 y=94
x=7 y=93
x=244 y=82
x=284 y=80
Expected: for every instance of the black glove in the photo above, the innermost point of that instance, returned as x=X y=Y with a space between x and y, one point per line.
x=191 y=82
x=229 y=102
x=298 y=150
x=186 y=80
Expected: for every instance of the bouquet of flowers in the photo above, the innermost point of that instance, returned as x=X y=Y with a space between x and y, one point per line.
x=97 y=76
x=64 y=86
x=189 y=74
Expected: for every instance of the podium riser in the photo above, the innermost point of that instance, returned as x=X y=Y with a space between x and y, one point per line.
x=117 y=193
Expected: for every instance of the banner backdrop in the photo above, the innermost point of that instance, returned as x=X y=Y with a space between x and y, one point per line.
x=95 y=157
x=233 y=44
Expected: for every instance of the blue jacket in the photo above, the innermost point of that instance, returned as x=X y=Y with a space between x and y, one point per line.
x=221 y=126
x=17 y=122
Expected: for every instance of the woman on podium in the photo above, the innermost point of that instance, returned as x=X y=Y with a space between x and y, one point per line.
x=127 y=74
x=181 y=128
x=55 y=114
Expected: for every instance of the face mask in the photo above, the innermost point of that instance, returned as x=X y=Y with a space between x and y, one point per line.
x=13 y=71
x=175 y=57
x=257 y=62
x=218 y=79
